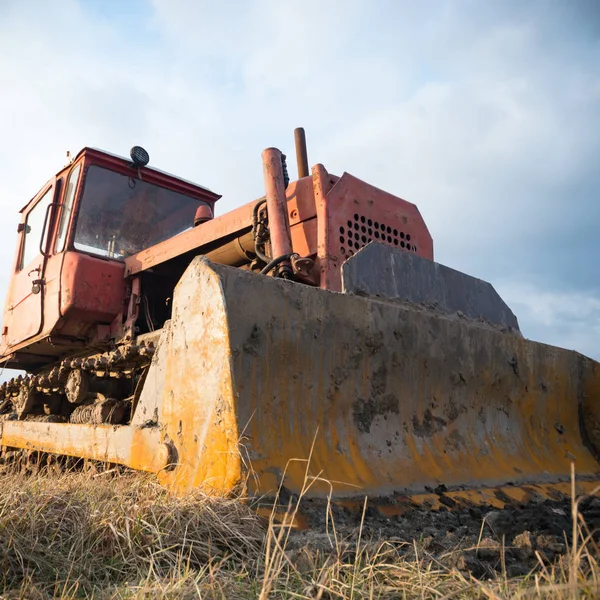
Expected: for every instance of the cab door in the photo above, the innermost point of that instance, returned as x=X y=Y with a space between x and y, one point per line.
x=27 y=289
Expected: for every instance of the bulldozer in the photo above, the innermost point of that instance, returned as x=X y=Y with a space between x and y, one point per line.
x=305 y=336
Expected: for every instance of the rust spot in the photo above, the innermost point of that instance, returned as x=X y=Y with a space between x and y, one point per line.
x=365 y=411
x=252 y=344
x=455 y=441
x=481 y=415
x=458 y=379
x=341 y=373
x=379 y=381
x=452 y=411
x=429 y=426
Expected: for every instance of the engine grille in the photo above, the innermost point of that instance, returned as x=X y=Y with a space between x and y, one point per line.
x=360 y=230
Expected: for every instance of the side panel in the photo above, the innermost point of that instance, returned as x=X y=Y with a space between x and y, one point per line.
x=23 y=312
x=52 y=293
x=304 y=237
x=92 y=291
x=198 y=411
x=386 y=272
x=353 y=213
x=79 y=292
x=23 y=315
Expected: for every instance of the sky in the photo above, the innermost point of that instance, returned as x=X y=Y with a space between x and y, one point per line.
x=484 y=113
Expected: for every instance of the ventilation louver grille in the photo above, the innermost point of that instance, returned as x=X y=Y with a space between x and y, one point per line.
x=359 y=232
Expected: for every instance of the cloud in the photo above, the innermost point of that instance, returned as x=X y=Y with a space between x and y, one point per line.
x=486 y=115
x=566 y=319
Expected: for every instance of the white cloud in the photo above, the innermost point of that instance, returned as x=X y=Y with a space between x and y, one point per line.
x=566 y=319
x=483 y=114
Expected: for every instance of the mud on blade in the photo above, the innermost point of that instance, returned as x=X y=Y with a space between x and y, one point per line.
x=388 y=397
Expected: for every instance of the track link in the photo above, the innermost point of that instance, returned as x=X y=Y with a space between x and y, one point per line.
x=83 y=389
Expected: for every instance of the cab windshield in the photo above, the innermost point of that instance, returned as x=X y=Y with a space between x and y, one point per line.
x=121 y=215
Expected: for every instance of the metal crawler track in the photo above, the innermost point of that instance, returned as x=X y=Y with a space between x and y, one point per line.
x=84 y=389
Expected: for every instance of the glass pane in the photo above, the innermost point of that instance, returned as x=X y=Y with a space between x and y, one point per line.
x=67 y=209
x=33 y=229
x=120 y=215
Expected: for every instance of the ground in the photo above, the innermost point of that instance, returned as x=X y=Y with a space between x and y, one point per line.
x=84 y=535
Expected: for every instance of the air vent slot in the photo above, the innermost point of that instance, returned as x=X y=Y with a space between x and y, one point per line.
x=357 y=233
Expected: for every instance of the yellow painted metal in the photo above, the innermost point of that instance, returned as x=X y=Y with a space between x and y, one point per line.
x=263 y=375
x=198 y=412
x=259 y=384
x=137 y=448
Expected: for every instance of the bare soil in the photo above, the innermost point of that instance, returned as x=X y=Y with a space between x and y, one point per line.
x=484 y=541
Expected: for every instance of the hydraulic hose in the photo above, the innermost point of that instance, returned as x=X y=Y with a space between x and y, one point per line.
x=258 y=234
x=271 y=265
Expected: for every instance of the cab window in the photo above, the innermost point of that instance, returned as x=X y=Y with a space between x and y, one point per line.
x=32 y=234
x=67 y=209
x=120 y=216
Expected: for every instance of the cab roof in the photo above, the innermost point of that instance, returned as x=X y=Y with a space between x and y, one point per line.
x=122 y=161
x=154 y=169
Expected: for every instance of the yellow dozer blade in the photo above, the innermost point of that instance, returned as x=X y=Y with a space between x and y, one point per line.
x=262 y=385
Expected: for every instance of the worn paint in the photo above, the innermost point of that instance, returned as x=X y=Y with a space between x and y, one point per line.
x=263 y=383
x=198 y=404
x=83 y=292
x=351 y=213
x=387 y=401
x=138 y=448
x=257 y=376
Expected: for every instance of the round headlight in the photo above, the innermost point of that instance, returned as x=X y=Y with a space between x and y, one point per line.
x=139 y=156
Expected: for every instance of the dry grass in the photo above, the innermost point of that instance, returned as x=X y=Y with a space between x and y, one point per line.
x=79 y=536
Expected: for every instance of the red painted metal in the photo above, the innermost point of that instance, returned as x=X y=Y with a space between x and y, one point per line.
x=80 y=295
x=301 y=200
x=87 y=300
x=279 y=226
x=331 y=202
x=22 y=318
x=155 y=176
x=300 y=205
x=354 y=213
x=236 y=221
x=203 y=213
x=92 y=291
x=321 y=185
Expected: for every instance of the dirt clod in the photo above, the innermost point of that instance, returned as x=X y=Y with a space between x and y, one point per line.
x=478 y=539
x=524 y=545
x=489 y=549
x=467 y=562
x=517 y=570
